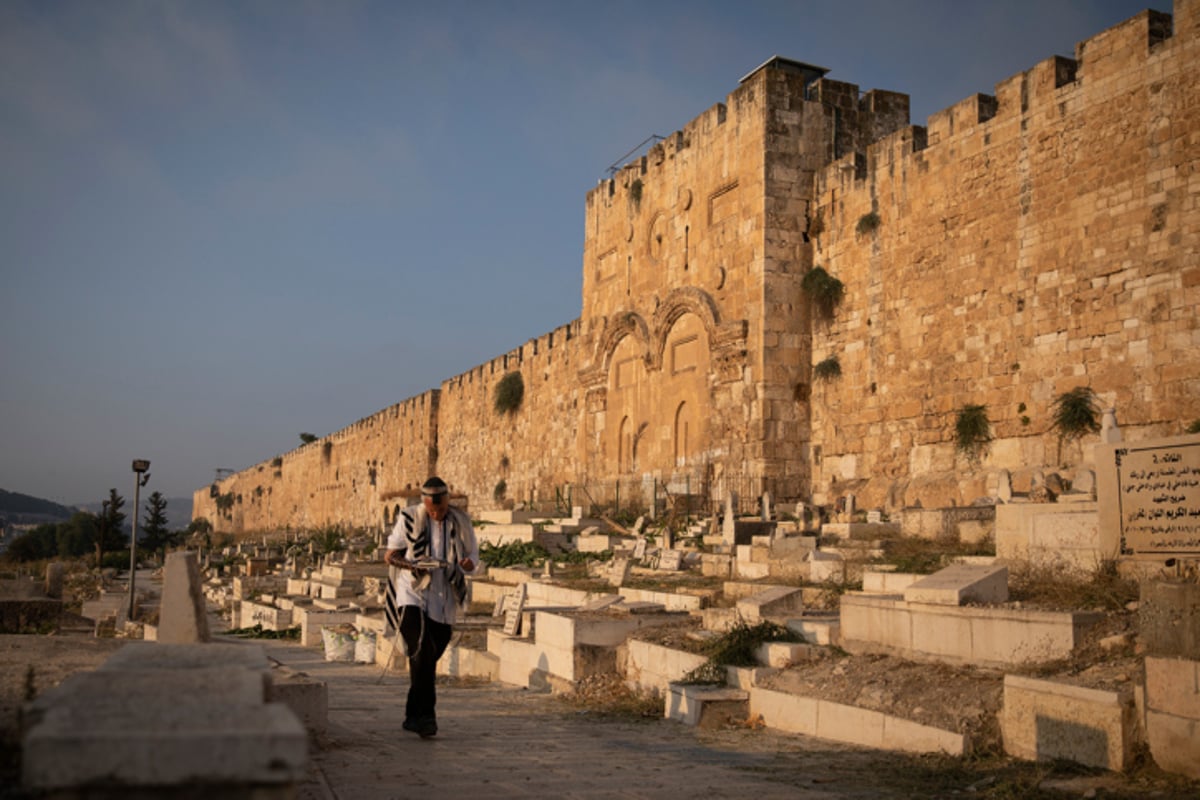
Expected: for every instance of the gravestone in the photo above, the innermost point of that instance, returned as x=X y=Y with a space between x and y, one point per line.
x=619 y=571
x=874 y=516
x=670 y=560
x=766 y=505
x=54 y=580
x=514 y=605
x=639 y=549
x=1149 y=496
x=728 y=528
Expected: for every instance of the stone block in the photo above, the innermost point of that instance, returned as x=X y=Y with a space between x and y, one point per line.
x=959 y=584
x=716 y=566
x=1052 y=534
x=888 y=582
x=825 y=567
x=784 y=654
x=816 y=630
x=307 y=698
x=1173 y=686
x=1045 y=720
x=653 y=667
x=777 y=601
x=781 y=711
x=752 y=571
x=1173 y=714
x=1174 y=743
x=706 y=707
x=139 y=746
x=1169 y=618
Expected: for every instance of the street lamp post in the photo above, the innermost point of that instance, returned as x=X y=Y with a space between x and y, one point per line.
x=141 y=475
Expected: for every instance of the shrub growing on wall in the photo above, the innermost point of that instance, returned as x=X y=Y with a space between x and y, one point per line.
x=827 y=369
x=824 y=290
x=1075 y=414
x=972 y=432
x=510 y=391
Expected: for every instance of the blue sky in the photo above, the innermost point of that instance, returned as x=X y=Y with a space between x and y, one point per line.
x=225 y=223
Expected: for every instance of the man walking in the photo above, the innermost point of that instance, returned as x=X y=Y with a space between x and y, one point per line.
x=431 y=549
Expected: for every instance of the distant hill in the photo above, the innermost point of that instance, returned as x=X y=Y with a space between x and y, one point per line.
x=23 y=509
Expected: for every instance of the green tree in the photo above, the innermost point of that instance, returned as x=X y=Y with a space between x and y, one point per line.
x=37 y=544
x=308 y=438
x=77 y=536
x=156 y=537
x=109 y=525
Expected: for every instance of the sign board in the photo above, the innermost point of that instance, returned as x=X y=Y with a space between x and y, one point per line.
x=1151 y=491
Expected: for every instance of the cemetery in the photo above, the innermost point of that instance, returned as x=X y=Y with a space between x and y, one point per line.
x=851 y=638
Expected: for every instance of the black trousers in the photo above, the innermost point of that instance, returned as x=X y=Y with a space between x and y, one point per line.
x=425 y=640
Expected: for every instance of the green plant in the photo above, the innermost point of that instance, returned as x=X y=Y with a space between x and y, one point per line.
x=1194 y=427
x=500 y=490
x=308 y=438
x=738 y=647
x=972 y=431
x=867 y=223
x=527 y=554
x=635 y=191
x=824 y=290
x=225 y=501
x=1075 y=414
x=277 y=462
x=330 y=539
x=510 y=391
x=827 y=369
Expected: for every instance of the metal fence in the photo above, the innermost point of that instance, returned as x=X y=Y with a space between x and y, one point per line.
x=686 y=494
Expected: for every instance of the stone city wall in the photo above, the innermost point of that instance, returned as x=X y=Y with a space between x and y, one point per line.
x=357 y=476
x=1021 y=245
x=1017 y=246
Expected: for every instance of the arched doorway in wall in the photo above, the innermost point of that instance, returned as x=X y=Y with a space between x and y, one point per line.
x=627 y=383
x=684 y=390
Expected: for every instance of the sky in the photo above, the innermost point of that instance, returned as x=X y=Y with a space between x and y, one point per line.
x=227 y=222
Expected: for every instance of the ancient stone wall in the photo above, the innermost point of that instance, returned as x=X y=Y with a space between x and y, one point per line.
x=526 y=455
x=358 y=477
x=1021 y=245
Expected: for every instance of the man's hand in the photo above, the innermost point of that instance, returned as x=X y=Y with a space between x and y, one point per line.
x=467 y=564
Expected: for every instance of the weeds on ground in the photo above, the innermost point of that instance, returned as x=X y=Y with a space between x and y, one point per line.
x=737 y=647
x=607 y=695
x=1053 y=588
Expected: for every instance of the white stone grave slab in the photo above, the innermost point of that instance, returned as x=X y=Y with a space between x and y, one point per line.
x=670 y=560
x=959 y=584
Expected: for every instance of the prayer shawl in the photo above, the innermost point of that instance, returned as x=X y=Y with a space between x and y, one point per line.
x=417 y=530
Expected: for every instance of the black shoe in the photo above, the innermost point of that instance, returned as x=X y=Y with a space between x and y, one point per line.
x=409 y=725
x=427 y=728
